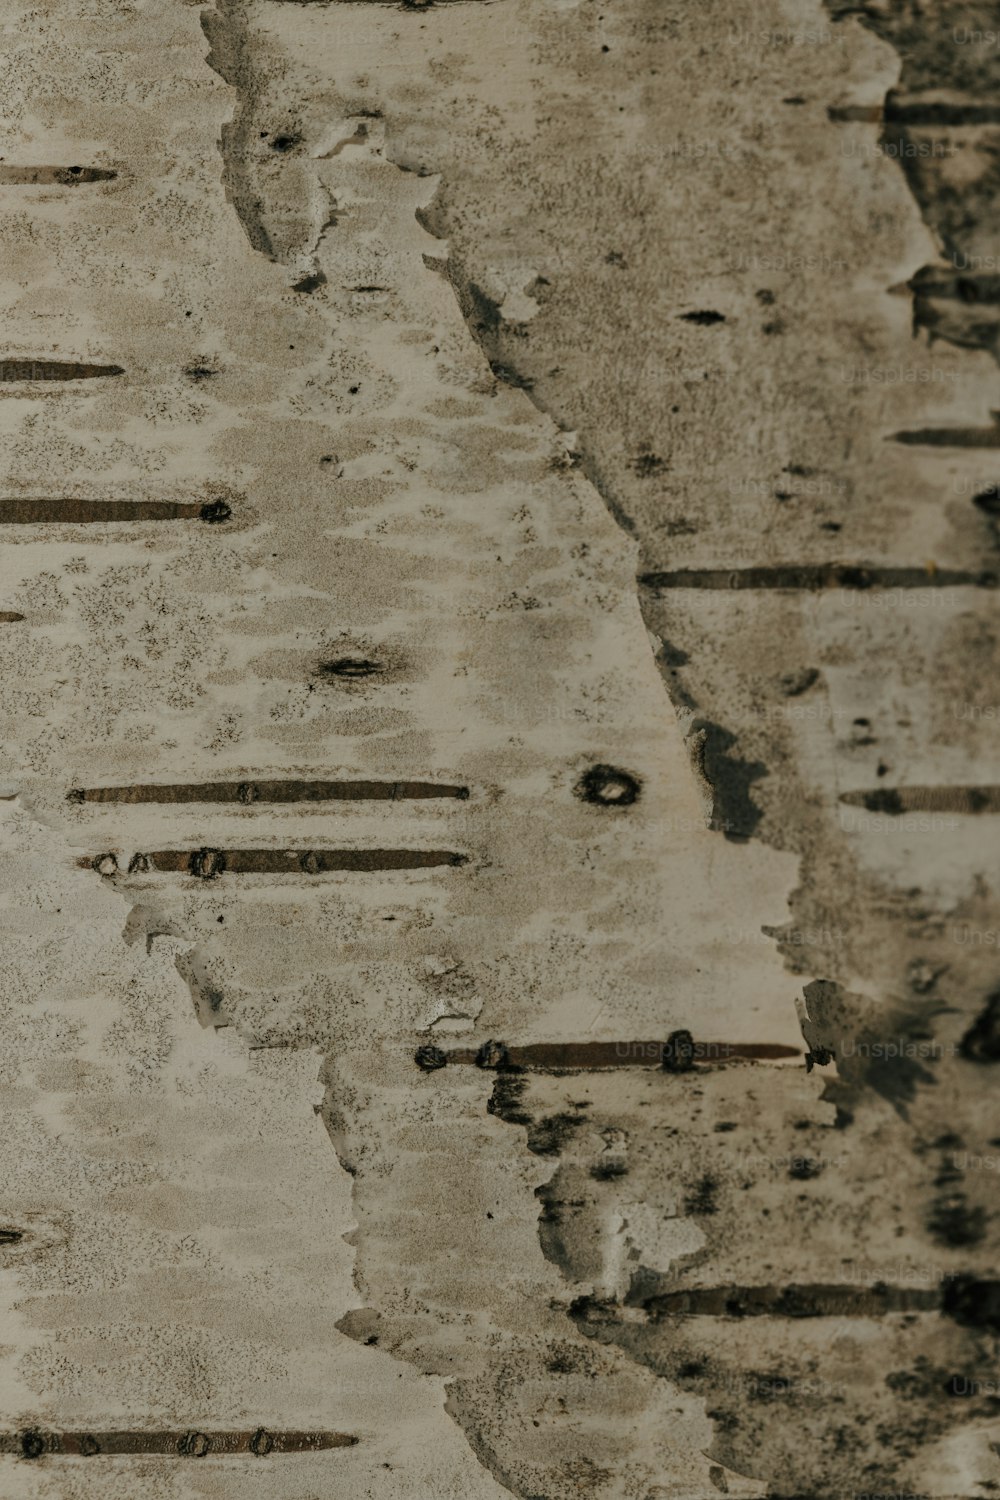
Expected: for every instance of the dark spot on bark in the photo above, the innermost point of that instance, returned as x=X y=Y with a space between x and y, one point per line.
x=608 y=786
x=734 y=813
x=673 y=656
x=646 y=465
x=215 y=512
x=285 y=143
x=200 y=372
x=670 y=659
x=493 y=1055
x=884 y=800
x=973 y=1303
x=956 y=1223
x=607 y=1168
x=678 y=1052
x=194 y=1444
x=548 y=1136
x=981 y=1043
x=701 y=1199
x=261 y=1443
x=794 y=684
x=511 y=377
x=891 y=1051
x=805 y=1167
x=505 y=1100
x=989 y=500
x=483 y=311
x=32 y=1443
x=207 y=864
x=430 y=1058
x=311 y=283
x=351 y=667
x=819 y=1057
x=704 y=318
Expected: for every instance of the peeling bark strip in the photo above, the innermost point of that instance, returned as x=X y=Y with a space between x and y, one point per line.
x=944 y=799
x=820 y=576
x=32 y=1443
x=813 y=1301
x=53 y=176
x=208 y=864
x=246 y=792
x=54 y=369
x=579 y=1057
x=17 y=512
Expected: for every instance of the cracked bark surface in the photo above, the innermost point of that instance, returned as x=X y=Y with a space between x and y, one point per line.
x=627 y=1282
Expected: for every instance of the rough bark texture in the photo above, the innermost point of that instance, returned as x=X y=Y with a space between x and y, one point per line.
x=499 y=509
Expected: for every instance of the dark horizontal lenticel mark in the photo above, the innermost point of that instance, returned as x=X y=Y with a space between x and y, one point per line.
x=209 y=864
x=974 y=289
x=918 y=111
x=818 y=576
x=950 y=437
x=944 y=799
x=915 y=111
x=867 y=114
x=247 y=792
x=831 y=1300
x=54 y=369
x=9 y=617
x=400 y=4
x=351 y=667
x=28 y=512
x=191 y=1443
x=11 y=176
x=678 y=1054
